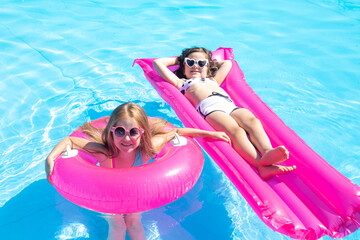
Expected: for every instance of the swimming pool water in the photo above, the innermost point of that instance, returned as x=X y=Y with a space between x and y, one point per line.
x=65 y=62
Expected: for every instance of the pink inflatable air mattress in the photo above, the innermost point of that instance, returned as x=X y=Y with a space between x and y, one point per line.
x=312 y=201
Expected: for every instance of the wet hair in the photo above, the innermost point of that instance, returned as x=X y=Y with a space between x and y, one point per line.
x=122 y=112
x=212 y=68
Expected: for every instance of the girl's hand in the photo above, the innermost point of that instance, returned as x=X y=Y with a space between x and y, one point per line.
x=221 y=136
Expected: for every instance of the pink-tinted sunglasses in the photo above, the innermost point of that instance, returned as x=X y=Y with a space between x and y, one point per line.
x=121 y=131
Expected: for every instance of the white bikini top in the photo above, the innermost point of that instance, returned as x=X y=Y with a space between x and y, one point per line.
x=189 y=82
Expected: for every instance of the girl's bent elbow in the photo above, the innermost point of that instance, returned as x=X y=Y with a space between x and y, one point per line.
x=228 y=63
x=156 y=62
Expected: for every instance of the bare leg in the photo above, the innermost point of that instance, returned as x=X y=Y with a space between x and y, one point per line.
x=246 y=120
x=223 y=122
x=117 y=227
x=259 y=138
x=134 y=226
x=241 y=122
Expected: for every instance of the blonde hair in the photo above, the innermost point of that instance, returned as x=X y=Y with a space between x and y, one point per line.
x=125 y=111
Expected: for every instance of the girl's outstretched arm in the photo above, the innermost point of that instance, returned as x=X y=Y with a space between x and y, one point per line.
x=74 y=143
x=198 y=133
x=160 y=140
x=161 y=66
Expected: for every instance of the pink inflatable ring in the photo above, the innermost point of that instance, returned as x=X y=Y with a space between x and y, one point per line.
x=128 y=190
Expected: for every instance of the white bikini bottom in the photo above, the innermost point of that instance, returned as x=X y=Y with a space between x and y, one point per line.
x=216 y=102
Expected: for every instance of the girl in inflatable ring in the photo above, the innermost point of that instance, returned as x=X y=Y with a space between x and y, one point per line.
x=199 y=78
x=129 y=139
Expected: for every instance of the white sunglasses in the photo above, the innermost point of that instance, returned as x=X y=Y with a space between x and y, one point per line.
x=200 y=62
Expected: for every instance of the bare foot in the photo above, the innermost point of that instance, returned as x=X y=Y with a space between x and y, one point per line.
x=275 y=155
x=267 y=172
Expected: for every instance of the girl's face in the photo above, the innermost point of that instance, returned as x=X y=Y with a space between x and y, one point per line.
x=131 y=140
x=196 y=71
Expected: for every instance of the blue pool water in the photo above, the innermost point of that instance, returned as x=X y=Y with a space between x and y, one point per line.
x=65 y=62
